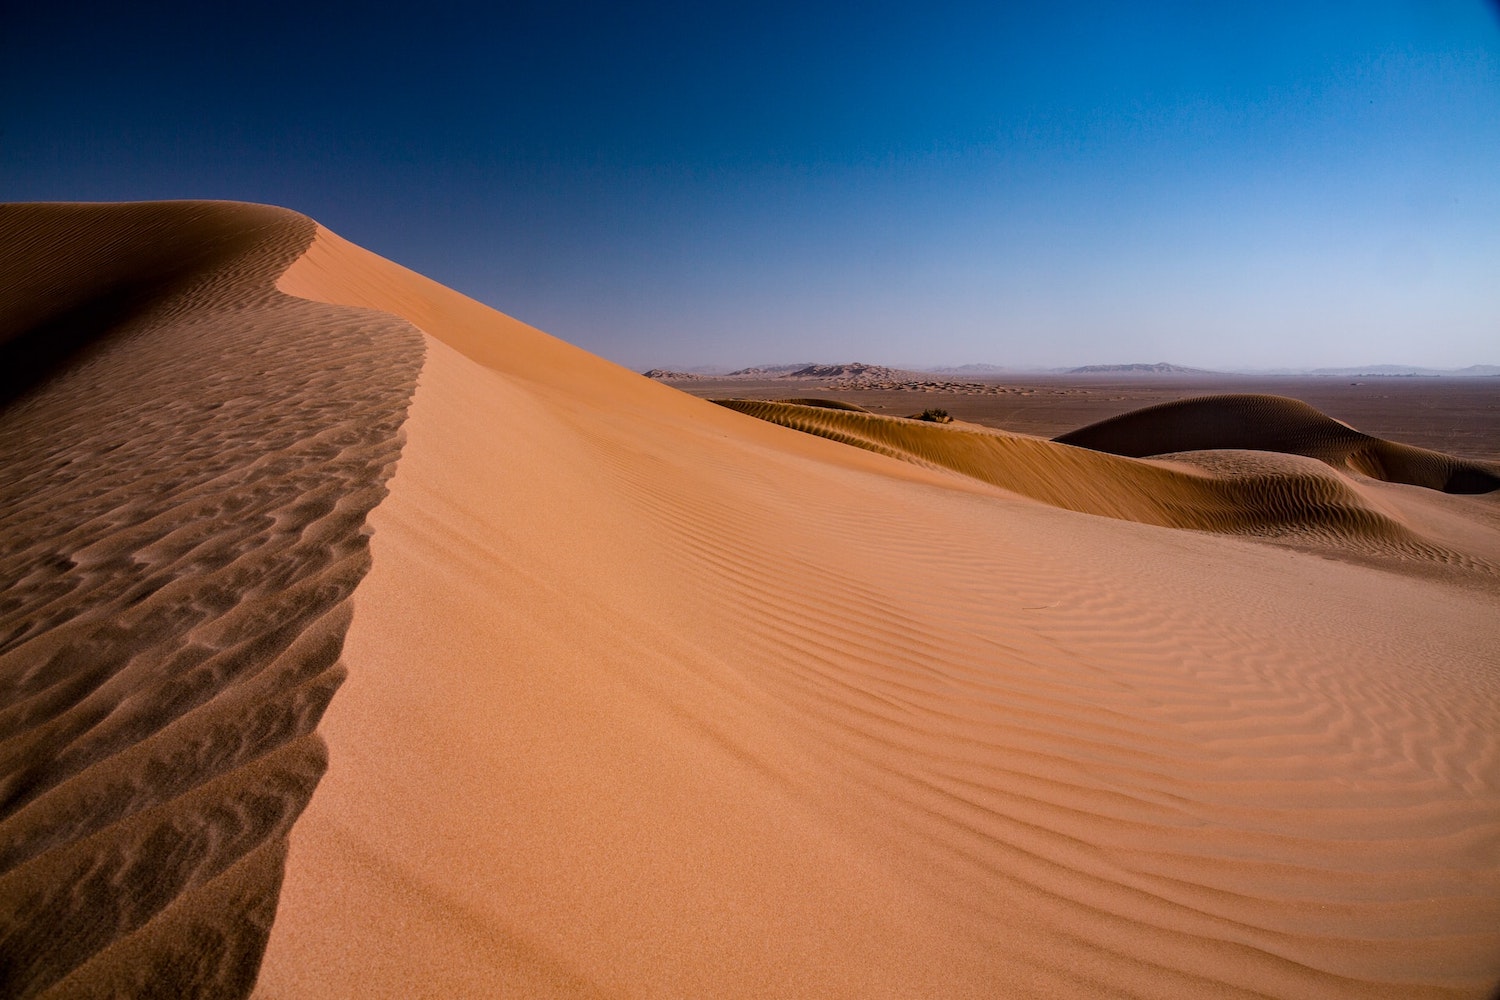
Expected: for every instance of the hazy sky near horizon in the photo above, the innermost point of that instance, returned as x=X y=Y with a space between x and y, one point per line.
x=681 y=184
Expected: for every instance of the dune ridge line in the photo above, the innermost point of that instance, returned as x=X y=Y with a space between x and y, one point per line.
x=605 y=690
x=1261 y=493
x=189 y=457
x=650 y=698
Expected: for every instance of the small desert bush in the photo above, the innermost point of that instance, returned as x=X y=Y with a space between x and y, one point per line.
x=935 y=415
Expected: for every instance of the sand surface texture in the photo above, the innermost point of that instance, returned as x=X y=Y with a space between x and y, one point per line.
x=1289 y=426
x=1250 y=471
x=181 y=525
x=1457 y=416
x=650 y=697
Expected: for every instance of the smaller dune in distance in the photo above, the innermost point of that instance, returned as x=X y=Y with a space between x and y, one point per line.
x=357 y=639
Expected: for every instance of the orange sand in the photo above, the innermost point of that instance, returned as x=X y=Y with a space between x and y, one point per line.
x=182 y=509
x=648 y=697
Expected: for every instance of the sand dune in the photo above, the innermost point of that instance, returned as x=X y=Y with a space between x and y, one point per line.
x=1232 y=490
x=830 y=404
x=647 y=697
x=182 y=510
x=1274 y=423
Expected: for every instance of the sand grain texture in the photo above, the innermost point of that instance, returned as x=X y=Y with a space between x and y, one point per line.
x=188 y=456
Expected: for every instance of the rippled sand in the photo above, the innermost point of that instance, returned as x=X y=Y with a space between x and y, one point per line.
x=651 y=697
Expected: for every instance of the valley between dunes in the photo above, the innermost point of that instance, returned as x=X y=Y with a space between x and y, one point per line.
x=629 y=694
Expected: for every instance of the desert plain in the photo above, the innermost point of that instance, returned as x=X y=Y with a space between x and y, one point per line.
x=358 y=640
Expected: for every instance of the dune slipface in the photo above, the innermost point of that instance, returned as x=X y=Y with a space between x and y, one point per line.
x=188 y=457
x=648 y=697
x=1278 y=424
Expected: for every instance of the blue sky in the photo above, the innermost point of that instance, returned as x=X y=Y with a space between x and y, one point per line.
x=689 y=184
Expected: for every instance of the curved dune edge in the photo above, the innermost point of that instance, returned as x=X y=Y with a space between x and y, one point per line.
x=1283 y=497
x=189 y=458
x=646 y=698
x=1276 y=423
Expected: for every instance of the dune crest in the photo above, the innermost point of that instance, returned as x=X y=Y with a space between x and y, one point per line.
x=632 y=694
x=189 y=457
x=1276 y=423
x=1276 y=496
x=648 y=698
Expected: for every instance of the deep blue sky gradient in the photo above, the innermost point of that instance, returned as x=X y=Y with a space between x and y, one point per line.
x=683 y=184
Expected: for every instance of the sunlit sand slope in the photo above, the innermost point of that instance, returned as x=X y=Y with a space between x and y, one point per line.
x=1286 y=497
x=650 y=698
x=1275 y=423
x=186 y=463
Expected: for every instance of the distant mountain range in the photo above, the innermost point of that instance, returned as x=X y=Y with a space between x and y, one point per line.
x=852 y=370
x=867 y=372
x=851 y=376
x=969 y=370
x=769 y=371
x=849 y=370
x=1159 y=368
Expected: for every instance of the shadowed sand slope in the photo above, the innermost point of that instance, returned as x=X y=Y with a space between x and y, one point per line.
x=188 y=457
x=649 y=698
x=1275 y=423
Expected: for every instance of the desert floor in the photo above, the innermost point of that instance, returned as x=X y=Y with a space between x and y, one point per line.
x=1460 y=416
